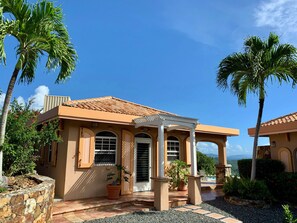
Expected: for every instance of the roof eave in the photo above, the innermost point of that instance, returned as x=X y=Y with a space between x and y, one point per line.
x=200 y=128
x=265 y=131
x=71 y=113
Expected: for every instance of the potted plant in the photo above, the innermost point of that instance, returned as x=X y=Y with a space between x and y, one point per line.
x=114 y=188
x=178 y=171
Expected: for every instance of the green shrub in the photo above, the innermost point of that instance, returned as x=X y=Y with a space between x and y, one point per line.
x=283 y=186
x=206 y=163
x=23 y=139
x=264 y=168
x=230 y=187
x=246 y=189
x=178 y=171
x=253 y=190
x=288 y=216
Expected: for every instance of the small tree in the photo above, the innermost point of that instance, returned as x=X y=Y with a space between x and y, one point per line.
x=205 y=163
x=24 y=138
x=262 y=62
x=39 y=31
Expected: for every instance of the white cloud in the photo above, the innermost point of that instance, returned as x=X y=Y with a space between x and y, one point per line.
x=2 y=97
x=207 y=147
x=38 y=97
x=280 y=15
x=21 y=100
x=212 y=148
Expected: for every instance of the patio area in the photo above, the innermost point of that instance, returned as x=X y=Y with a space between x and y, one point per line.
x=101 y=207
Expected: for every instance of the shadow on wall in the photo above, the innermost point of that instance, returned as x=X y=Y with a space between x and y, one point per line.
x=91 y=183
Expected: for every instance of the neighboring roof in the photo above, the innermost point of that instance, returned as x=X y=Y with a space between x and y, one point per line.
x=281 y=120
x=283 y=124
x=114 y=105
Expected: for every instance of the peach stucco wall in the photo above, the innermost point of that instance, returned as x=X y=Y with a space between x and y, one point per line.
x=84 y=183
x=56 y=172
x=75 y=183
x=288 y=141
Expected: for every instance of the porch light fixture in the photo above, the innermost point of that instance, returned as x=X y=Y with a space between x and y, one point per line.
x=273 y=144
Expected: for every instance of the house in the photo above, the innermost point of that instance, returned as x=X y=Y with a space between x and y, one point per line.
x=282 y=133
x=98 y=133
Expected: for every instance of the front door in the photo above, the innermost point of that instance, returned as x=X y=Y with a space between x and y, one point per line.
x=142 y=165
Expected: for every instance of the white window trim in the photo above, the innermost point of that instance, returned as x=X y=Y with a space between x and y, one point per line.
x=170 y=152
x=114 y=151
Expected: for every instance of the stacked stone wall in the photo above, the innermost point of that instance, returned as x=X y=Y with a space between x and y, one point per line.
x=29 y=205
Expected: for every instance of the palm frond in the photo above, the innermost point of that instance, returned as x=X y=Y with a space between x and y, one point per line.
x=40 y=30
x=262 y=61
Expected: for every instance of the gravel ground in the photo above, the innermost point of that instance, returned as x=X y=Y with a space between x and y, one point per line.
x=273 y=214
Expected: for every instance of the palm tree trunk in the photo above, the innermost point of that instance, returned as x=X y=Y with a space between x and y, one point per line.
x=261 y=106
x=4 y=115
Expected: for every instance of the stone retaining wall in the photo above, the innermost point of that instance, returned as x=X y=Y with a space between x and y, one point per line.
x=29 y=205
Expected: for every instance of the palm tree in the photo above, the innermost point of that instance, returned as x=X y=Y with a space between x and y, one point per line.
x=39 y=30
x=262 y=61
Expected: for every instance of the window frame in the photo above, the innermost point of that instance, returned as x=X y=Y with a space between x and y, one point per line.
x=170 y=153
x=97 y=151
x=49 y=153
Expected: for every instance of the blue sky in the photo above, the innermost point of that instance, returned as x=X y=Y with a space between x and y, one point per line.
x=165 y=54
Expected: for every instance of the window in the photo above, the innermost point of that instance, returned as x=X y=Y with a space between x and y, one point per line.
x=105 y=148
x=172 y=148
x=49 y=154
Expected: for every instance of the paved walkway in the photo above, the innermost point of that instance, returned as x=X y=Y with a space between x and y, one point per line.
x=95 y=208
x=198 y=210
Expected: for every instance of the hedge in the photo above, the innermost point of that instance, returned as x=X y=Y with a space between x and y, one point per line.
x=264 y=168
x=283 y=186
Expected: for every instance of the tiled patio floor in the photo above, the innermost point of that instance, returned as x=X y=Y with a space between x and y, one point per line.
x=87 y=209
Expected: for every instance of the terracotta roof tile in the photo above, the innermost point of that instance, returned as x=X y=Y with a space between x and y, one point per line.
x=281 y=120
x=114 y=105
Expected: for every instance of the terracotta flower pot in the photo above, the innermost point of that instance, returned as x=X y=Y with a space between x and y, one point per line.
x=182 y=186
x=113 y=191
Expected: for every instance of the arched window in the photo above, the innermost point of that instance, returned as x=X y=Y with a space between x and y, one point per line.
x=172 y=148
x=105 y=148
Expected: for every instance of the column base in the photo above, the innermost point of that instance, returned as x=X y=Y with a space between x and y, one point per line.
x=161 y=194
x=194 y=190
x=222 y=171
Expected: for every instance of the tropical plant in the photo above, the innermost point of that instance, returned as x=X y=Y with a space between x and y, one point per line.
x=178 y=171
x=24 y=137
x=230 y=186
x=39 y=30
x=262 y=61
x=122 y=174
x=246 y=189
x=288 y=216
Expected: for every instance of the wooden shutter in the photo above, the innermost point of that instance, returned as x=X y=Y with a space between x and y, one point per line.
x=127 y=160
x=86 y=148
x=54 y=153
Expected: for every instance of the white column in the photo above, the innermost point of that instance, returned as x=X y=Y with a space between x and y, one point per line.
x=193 y=153
x=161 y=150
